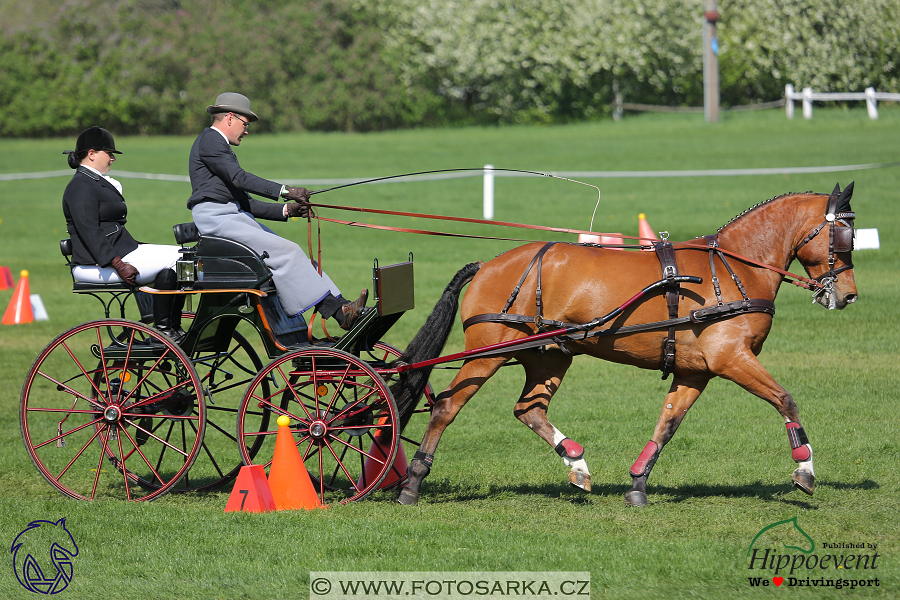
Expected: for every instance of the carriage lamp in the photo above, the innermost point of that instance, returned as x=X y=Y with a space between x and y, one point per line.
x=189 y=270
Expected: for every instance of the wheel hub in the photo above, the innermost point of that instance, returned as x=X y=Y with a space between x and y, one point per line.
x=112 y=414
x=317 y=430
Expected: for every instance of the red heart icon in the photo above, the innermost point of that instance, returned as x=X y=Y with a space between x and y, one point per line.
x=778 y=580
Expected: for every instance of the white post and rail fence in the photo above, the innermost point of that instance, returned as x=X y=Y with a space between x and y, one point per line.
x=807 y=96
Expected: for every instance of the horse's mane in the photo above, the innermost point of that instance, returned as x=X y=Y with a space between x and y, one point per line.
x=763 y=203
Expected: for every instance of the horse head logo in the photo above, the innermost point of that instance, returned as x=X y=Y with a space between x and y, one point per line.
x=790 y=527
x=40 y=545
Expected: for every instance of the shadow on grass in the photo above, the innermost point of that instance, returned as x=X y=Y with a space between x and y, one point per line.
x=443 y=491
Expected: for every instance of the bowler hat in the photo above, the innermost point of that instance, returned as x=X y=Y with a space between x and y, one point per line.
x=95 y=138
x=233 y=102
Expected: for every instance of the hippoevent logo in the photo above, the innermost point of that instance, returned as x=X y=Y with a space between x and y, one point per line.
x=783 y=554
x=42 y=556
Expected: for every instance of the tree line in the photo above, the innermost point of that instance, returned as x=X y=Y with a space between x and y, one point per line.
x=152 y=66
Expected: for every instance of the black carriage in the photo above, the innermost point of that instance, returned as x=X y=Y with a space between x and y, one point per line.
x=114 y=408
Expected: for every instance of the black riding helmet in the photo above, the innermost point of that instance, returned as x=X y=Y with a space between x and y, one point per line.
x=92 y=138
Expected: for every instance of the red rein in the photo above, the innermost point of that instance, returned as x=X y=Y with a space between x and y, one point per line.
x=790 y=277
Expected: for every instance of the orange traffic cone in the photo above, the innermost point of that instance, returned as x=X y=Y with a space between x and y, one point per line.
x=373 y=467
x=251 y=491
x=645 y=232
x=19 y=309
x=290 y=483
x=584 y=238
x=615 y=239
x=6 y=280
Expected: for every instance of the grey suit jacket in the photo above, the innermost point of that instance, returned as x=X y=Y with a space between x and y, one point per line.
x=216 y=176
x=95 y=214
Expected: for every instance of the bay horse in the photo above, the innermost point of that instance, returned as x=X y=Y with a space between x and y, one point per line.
x=718 y=328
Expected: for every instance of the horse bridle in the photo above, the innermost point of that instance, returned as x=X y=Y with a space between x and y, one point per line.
x=840 y=239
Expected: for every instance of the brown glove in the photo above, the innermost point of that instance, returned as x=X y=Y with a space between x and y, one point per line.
x=297 y=194
x=125 y=271
x=297 y=209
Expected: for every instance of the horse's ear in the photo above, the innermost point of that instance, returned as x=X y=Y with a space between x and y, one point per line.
x=843 y=201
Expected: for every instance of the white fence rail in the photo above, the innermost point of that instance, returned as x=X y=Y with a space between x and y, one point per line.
x=807 y=96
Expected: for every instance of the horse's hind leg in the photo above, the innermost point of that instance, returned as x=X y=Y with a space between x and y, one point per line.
x=751 y=376
x=681 y=397
x=543 y=375
x=447 y=405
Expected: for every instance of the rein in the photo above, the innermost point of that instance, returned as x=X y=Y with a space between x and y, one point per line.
x=798 y=280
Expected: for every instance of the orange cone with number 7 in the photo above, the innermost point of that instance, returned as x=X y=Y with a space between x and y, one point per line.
x=19 y=309
x=251 y=491
x=291 y=486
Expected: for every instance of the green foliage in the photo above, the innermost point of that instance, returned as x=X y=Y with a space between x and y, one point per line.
x=360 y=65
x=313 y=65
x=531 y=60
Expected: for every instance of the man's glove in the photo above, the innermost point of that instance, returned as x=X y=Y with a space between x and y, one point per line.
x=297 y=209
x=297 y=194
x=125 y=271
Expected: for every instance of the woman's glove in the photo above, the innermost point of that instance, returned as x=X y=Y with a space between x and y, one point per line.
x=126 y=272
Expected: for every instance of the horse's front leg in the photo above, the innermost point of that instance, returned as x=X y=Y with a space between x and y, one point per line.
x=681 y=397
x=751 y=376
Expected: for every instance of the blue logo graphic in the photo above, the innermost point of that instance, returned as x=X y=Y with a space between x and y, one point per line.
x=42 y=556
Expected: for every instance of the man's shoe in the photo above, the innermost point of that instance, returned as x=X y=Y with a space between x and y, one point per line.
x=353 y=310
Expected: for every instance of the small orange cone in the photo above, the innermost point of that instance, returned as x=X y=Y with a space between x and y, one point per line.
x=584 y=238
x=374 y=465
x=6 y=280
x=251 y=491
x=290 y=483
x=19 y=309
x=615 y=239
x=645 y=232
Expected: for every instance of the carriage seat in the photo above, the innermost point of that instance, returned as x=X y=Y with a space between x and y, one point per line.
x=65 y=247
x=218 y=263
x=222 y=263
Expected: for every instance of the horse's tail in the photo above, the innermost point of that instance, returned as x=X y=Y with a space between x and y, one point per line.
x=428 y=343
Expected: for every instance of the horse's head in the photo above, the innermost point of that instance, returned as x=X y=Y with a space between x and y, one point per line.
x=825 y=252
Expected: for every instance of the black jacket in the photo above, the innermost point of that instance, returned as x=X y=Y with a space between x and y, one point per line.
x=95 y=219
x=216 y=176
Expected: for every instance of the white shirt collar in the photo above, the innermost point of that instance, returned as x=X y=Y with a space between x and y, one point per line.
x=220 y=133
x=116 y=184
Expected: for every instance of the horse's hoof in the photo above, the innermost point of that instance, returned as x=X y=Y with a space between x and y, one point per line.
x=580 y=479
x=804 y=481
x=635 y=498
x=408 y=498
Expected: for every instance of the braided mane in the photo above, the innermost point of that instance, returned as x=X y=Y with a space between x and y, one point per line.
x=755 y=206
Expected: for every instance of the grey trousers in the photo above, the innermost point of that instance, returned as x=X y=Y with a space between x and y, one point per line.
x=299 y=284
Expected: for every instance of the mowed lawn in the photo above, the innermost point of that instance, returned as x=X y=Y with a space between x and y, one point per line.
x=497 y=498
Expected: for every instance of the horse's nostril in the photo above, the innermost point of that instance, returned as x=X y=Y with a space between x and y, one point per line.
x=851 y=298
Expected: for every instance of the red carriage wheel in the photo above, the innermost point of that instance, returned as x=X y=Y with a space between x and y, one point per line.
x=112 y=408
x=339 y=408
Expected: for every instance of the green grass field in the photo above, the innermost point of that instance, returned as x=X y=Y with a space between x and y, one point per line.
x=496 y=499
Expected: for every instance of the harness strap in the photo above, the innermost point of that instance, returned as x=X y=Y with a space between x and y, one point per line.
x=702 y=315
x=712 y=242
x=666 y=255
x=539 y=259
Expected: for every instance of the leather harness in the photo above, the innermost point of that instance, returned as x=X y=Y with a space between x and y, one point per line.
x=666 y=254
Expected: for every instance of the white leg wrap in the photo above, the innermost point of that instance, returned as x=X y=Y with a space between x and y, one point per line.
x=571 y=452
